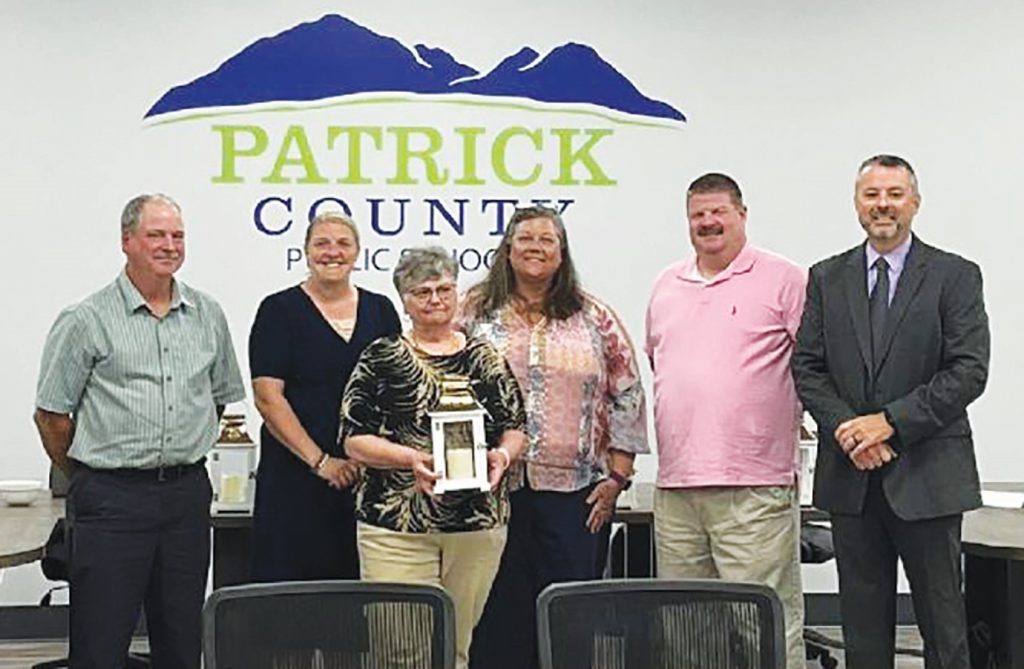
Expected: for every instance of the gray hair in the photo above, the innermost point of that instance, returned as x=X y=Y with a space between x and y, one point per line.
x=132 y=212
x=423 y=264
x=892 y=162
x=332 y=216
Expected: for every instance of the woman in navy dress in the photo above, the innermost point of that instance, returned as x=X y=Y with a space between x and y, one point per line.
x=302 y=347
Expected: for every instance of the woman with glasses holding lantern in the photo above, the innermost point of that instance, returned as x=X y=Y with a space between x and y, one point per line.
x=586 y=422
x=412 y=527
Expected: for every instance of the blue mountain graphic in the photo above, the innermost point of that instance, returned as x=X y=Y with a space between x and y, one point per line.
x=444 y=64
x=335 y=56
x=570 y=73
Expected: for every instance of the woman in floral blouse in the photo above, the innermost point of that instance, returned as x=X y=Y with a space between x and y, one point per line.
x=586 y=421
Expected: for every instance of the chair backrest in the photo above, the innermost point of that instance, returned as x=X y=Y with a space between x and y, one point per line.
x=329 y=625
x=660 y=624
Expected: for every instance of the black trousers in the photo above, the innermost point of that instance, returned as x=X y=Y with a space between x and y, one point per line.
x=138 y=541
x=548 y=542
x=867 y=547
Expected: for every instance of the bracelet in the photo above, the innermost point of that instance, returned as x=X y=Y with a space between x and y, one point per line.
x=508 y=458
x=320 y=463
x=623 y=482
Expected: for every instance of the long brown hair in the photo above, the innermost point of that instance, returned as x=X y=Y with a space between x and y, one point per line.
x=564 y=297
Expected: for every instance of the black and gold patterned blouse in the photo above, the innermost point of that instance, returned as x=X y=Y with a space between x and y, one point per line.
x=389 y=395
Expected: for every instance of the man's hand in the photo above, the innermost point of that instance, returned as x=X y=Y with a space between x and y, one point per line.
x=866 y=458
x=866 y=431
x=602 y=504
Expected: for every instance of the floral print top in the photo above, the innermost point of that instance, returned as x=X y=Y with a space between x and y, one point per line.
x=581 y=389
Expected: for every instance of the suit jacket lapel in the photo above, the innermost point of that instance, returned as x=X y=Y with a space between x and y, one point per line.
x=911 y=278
x=856 y=284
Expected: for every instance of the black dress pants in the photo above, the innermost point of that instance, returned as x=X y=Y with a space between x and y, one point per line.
x=139 y=538
x=867 y=548
x=548 y=542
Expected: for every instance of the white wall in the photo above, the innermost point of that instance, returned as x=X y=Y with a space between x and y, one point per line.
x=787 y=96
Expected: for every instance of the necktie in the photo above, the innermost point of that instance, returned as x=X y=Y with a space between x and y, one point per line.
x=878 y=305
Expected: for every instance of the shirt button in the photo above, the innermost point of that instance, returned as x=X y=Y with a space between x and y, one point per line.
x=170 y=408
x=167 y=378
x=166 y=349
x=167 y=439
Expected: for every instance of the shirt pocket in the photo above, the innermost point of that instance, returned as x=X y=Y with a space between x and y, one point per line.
x=194 y=359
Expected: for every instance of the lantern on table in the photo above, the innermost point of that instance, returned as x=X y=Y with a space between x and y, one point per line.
x=232 y=465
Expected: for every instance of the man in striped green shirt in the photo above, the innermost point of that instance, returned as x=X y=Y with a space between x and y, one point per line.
x=132 y=382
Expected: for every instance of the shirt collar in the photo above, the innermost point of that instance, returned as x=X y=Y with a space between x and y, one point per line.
x=740 y=264
x=134 y=301
x=895 y=258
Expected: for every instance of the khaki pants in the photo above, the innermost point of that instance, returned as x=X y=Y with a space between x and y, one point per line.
x=736 y=534
x=463 y=563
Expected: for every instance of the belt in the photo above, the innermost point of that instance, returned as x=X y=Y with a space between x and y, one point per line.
x=162 y=473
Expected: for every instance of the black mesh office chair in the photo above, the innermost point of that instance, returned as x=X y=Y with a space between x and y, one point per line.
x=660 y=624
x=329 y=625
x=816 y=548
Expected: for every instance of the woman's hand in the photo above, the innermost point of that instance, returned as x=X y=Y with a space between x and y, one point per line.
x=379 y=453
x=340 y=473
x=423 y=470
x=498 y=461
x=602 y=504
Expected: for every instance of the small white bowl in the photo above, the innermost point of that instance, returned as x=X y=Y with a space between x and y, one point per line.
x=20 y=492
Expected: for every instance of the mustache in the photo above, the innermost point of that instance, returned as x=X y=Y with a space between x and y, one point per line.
x=710 y=230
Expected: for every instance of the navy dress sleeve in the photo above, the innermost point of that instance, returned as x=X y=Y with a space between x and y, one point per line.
x=268 y=340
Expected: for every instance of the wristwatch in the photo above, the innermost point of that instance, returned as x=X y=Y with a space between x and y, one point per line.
x=624 y=482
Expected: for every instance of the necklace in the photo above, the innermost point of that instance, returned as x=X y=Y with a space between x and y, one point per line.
x=446 y=347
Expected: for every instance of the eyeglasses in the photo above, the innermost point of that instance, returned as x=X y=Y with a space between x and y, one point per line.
x=423 y=294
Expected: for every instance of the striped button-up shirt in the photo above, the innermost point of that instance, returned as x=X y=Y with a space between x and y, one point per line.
x=142 y=390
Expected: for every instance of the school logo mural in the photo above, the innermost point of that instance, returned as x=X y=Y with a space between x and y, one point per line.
x=417 y=146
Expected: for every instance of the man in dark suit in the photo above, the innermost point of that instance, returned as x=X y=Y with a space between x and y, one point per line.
x=892 y=348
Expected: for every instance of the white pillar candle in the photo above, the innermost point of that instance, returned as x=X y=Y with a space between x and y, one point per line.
x=459 y=463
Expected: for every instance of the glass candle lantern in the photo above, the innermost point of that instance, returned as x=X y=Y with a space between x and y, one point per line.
x=232 y=464
x=459 y=442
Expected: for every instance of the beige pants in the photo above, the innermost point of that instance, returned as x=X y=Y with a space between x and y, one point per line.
x=736 y=534
x=463 y=563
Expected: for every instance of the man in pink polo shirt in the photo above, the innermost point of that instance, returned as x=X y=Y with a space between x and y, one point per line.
x=720 y=330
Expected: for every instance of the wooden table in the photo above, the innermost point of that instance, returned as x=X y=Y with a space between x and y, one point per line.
x=232 y=537
x=635 y=556
x=993 y=548
x=232 y=547
x=25 y=529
